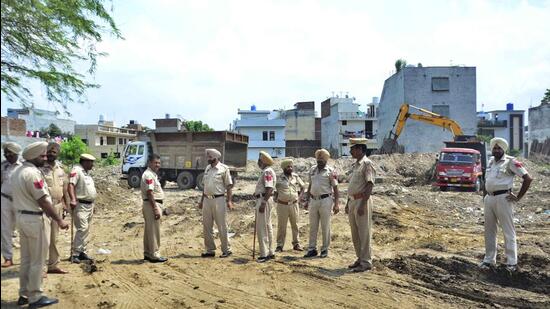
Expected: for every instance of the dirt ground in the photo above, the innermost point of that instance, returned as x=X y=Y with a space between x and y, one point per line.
x=427 y=245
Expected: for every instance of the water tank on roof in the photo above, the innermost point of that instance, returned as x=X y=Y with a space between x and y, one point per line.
x=510 y=106
x=101 y=119
x=253 y=108
x=166 y=116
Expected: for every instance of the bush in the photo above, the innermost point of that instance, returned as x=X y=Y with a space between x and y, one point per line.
x=109 y=161
x=71 y=150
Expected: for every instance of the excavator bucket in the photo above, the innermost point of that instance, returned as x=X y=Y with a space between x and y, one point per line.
x=390 y=146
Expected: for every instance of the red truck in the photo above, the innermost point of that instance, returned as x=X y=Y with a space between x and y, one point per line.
x=460 y=168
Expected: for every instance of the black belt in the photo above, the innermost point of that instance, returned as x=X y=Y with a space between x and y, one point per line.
x=211 y=197
x=85 y=202
x=7 y=196
x=156 y=201
x=320 y=197
x=499 y=192
x=259 y=195
x=29 y=212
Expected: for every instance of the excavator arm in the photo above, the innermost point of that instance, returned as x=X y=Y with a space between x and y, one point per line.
x=390 y=144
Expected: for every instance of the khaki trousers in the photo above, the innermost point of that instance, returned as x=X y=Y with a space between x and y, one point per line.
x=151 y=232
x=498 y=209
x=214 y=210
x=284 y=214
x=319 y=212
x=34 y=249
x=8 y=226
x=361 y=231
x=82 y=218
x=51 y=229
x=264 y=229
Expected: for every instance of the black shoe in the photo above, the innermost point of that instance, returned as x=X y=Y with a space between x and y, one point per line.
x=226 y=254
x=157 y=260
x=75 y=259
x=84 y=257
x=271 y=257
x=22 y=301
x=263 y=259
x=311 y=253
x=43 y=302
x=324 y=253
x=279 y=249
x=208 y=254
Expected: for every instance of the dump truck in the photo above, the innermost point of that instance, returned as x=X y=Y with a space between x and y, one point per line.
x=182 y=155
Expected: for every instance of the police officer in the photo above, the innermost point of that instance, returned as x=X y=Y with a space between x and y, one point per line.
x=323 y=184
x=11 y=153
x=82 y=192
x=153 y=196
x=264 y=203
x=32 y=200
x=216 y=181
x=359 y=204
x=499 y=201
x=56 y=180
x=290 y=188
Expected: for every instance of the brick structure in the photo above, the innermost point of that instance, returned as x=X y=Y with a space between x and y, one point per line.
x=17 y=127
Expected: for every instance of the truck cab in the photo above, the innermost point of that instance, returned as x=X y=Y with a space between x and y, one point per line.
x=134 y=161
x=459 y=168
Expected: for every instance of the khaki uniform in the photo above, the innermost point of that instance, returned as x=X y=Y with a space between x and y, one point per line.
x=28 y=187
x=55 y=178
x=361 y=174
x=82 y=214
x=264 y=229
x=320 y=209
x=7 y=209
x=216 y=179
x=151 y=233
x=500 y=176
x=288 y=189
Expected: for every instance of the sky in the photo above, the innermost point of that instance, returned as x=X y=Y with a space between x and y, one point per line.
x=202 y=60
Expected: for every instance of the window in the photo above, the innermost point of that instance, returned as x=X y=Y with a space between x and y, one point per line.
x=264 y=137
x=344 y=122
x=131 y=150
x=120 y=141
x=101 y=140
x=104 y=155
x=111 y=140
x=440 y=84
x=442 y=110
x=271 y=135
x=140 y=150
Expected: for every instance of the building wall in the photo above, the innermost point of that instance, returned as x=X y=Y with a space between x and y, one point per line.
x=256 y=143
x=300 y=127
x=17 y=127
x=39 y=119
x=413 y=85
x=92 y=136
x=302 y=149
x=539 y=124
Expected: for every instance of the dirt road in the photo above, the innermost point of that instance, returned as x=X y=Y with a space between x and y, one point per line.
x=426 y=244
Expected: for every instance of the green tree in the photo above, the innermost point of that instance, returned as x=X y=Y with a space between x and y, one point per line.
x=400 y=64
x=197 y=126
x=110 y=160
x=71 y=150
x=546 y=98
x=52 y=130
x=43 y=40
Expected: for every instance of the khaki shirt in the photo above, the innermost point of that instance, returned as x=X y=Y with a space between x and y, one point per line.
x=322 y=181
x=500 y=175
x=266 y=180
x=7 y=170
x=56 y=179
x=84 y=184
x=362 y=172
x=28 y=187
x=216 y=179
x=150 y=181
x=289 y=187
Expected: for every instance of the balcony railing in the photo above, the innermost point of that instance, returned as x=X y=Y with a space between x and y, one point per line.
x=492 y=123
x=355 y=116
x=116 y=130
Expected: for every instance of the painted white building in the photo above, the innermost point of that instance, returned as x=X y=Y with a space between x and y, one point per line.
x=265 y=130
x=38 y=119
x=341 y=120
x=508 y=124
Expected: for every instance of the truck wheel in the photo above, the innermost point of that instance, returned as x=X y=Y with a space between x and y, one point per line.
x=443 y=188
x=185 y=180
x=134 y=179
x=200 y=185
x=163 y=183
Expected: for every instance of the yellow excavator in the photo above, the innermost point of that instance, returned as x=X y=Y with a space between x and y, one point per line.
x=390 y=144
